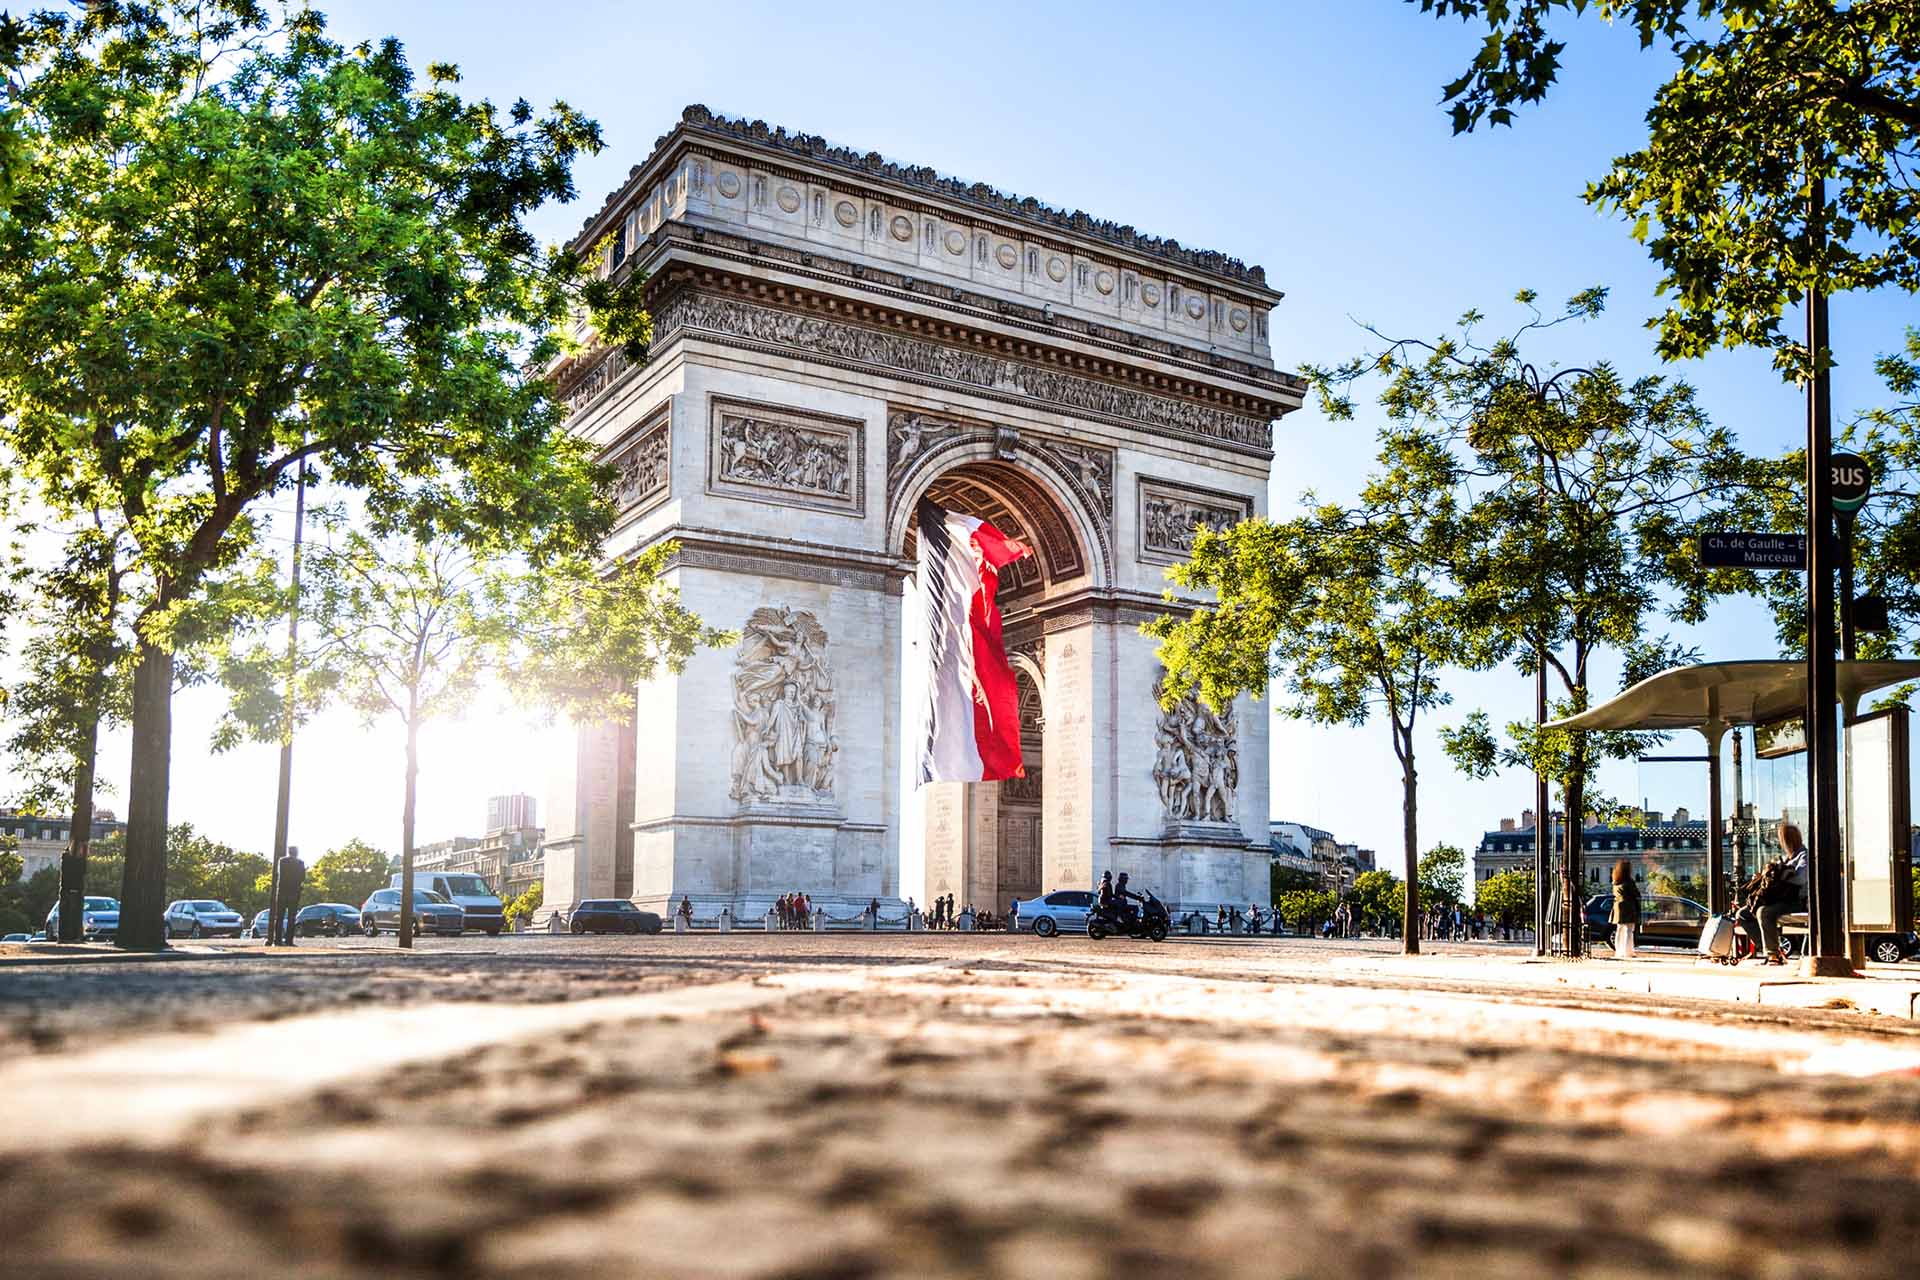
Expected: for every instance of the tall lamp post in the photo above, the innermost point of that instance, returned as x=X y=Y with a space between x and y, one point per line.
x=1829 y=956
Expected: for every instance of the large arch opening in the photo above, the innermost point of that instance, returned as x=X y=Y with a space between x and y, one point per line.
x=983 y=843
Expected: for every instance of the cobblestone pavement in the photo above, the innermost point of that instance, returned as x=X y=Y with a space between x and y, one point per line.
x=927 y=1106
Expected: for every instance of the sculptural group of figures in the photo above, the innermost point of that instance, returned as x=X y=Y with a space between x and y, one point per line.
x=755 y=451
x=1198 y=767
x=784 y=745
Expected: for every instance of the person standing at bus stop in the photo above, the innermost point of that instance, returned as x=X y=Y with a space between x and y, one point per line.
x=1626 y=909
x=292 y=872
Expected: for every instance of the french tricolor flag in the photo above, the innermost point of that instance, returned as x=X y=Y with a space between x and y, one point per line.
x=973 y=710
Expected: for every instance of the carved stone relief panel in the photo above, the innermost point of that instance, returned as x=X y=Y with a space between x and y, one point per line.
x=1197 y=762
x=787 y=456
x=1169 y=513
x=783 y=705
x=644 y=465
x=1091 y=467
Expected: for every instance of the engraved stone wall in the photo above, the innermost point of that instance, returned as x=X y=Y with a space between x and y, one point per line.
x=1169 y=514
x=771 y=454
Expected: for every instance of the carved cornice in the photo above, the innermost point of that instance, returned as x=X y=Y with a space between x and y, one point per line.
x=1035 y=316
x=813 y=149
x=868 y=349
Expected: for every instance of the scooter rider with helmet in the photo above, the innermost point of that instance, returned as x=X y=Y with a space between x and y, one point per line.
x=1120 y=895
x=1105 y=897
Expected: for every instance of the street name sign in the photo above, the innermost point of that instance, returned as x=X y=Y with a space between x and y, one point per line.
x=1753 y=550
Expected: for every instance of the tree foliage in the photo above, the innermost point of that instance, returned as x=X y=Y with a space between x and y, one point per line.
x=1507 y=898
x=1589 y=492
x=1352 y=609
x=347 y=874
x=1378 y=898
x=1283 y=880
x=240 y=249
x=1443 y=874
x=519 y=912
x=1764 y=92
x=1305 y=910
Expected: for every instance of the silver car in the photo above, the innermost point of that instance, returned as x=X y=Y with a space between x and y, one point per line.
x=1062 y=909
x=201 y=918
x=99 y=919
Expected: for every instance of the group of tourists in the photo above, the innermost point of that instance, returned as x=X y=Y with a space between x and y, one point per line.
x=1451 y=922
x=792 y=911
x=943 y=915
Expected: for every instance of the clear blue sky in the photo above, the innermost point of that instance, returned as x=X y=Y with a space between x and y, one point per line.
x=1302 y=135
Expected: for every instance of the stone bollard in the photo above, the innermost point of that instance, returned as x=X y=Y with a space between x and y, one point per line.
x=1194 y=925
x=679 y=923
x=726 y=920
x=873 y=920
x=819 y=920
x=914 y=923
x=768 y=920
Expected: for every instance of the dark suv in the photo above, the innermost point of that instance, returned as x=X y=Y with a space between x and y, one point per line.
x=612 y=915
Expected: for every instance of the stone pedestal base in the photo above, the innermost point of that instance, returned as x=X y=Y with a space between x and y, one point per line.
x=1195 y=867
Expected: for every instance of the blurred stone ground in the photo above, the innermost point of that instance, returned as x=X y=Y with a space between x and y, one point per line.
x=847 y=1105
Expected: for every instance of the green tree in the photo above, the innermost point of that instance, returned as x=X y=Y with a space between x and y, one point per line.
x=1380 y=898
x=1507 y=898
x=348 y=874
x=1588 y=495
x=12 y=866
x=240 y=249
x=201 y=867
x=411 y=628
x=1765 y=93
x=1305 y=910
x=1351 y=607
x=1283 y=880
x=1443 y=874
x=520 y=911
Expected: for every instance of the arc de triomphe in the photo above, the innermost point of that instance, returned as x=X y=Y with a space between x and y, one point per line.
x=835 y=337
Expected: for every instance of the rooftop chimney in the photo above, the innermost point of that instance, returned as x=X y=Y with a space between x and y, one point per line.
x=1506 y=824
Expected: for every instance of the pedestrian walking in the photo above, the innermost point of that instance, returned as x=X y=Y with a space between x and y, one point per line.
x=1626 y=909
x=686 y=909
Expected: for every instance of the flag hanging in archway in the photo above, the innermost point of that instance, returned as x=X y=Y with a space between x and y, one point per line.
x=973 y=710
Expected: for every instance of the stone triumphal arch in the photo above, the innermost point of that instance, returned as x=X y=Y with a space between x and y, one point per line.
x=836 y=337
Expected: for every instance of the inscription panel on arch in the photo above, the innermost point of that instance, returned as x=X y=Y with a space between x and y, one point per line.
x=791 y=457
x=1169 y=513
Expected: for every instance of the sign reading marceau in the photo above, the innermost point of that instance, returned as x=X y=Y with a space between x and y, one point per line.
x=1753 y=550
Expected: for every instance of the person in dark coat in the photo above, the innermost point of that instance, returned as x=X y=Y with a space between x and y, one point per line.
x=1626 y=909
x=292 y=872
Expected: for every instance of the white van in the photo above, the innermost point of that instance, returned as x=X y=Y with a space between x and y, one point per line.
x=464 y=890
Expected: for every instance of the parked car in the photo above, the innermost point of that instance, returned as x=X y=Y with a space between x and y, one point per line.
x=1882 y=948
x=612 y=915
x=17 y=937
x=1665 y=921
x=99 y=918
x=201 y=918
x=38 y=937
x=328 y=919
x=258 y=929
x=431 y=913
x=471 y=893
x=1061 y=909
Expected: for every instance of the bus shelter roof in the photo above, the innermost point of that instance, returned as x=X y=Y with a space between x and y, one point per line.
x=1732 y=693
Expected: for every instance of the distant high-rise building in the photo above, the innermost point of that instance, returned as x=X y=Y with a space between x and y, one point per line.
x=504 y=812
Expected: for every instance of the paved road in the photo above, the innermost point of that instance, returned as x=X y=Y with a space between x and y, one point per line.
x=932 y=1106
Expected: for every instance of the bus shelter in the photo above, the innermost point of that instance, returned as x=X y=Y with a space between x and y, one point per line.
x=1760 y=704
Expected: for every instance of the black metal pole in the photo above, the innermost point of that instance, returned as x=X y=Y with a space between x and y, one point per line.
x=283 y=804
x=1826 y=881
x=1542 y=827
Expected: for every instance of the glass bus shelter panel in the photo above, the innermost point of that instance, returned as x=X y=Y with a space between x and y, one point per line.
x=1758 y=795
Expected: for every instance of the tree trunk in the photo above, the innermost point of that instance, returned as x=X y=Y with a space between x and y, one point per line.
x=1573 y=876
x=73 y=864
x=143 y=888
x=406 y=833
x=1410 y=826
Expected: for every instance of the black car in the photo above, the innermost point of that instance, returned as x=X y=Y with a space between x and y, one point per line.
x=612 y=915
x=332 y=919
x=1665 y=920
